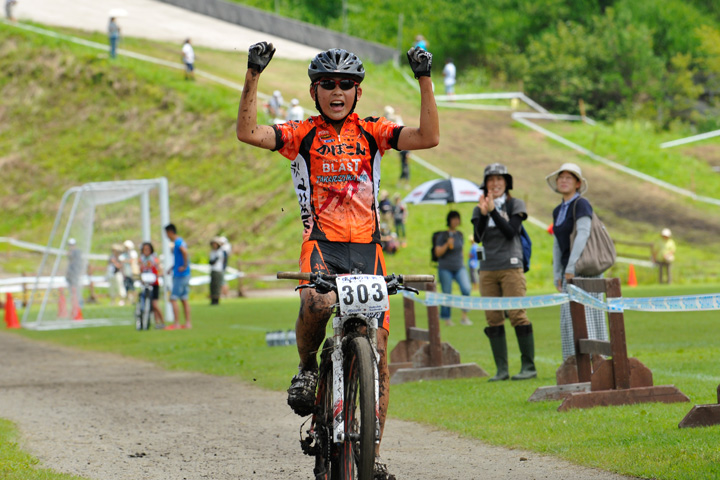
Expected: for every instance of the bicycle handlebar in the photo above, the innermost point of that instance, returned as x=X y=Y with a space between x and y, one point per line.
x=306 y=277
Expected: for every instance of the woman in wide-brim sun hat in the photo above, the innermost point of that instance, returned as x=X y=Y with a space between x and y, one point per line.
x=573 y=213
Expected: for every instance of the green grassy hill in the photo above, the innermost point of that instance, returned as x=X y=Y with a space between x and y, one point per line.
x=70 y=116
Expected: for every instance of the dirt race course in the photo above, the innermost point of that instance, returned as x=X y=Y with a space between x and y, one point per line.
x=103 y=416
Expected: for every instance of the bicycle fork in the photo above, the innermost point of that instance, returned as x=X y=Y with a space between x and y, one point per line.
x=338 y=386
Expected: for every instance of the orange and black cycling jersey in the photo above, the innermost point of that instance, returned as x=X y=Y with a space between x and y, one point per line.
x=337 y=177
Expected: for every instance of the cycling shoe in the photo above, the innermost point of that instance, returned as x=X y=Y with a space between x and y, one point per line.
x=380 y=471
x=301 y=394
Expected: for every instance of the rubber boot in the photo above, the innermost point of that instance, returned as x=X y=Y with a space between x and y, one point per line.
x=498 y=344
x=526 y=342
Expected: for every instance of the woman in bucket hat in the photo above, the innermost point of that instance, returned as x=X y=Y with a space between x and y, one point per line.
x=498 y=220
x=574 y=212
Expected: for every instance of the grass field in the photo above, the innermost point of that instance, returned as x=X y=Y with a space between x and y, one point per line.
x=641 y=440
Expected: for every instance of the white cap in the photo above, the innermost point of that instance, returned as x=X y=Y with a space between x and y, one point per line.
x=277 y=93
x=129 y=244
x=294 y=101
x=71 y=241
x=567 y=167
x=666 y=233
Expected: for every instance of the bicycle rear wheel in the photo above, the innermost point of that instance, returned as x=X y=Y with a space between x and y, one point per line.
x=357 y=453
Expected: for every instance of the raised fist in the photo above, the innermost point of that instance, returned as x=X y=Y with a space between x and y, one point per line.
x=260 y=55
x=420 y=61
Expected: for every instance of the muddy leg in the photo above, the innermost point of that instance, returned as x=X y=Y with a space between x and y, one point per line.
x=315 y=310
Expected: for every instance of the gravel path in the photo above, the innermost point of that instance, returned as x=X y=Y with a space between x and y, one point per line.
x=104 y=416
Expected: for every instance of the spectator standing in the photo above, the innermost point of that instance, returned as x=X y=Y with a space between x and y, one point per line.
x=188 y=56
x=217 y=263
x=497 y=219
x=73 y=274
x=449 y=73
x=573 y=213
x=115 y=276
x=9 y=5
x=149 y=263
x=276 y=105
x=385 y=207
x=296 y=113
x=666 y=254
x=451 y=265
x=113 y=36
x=181 y=277
x=400 y=217
x=130 y=268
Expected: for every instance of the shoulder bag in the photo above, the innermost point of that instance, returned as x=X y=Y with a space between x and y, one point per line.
x=599 y=253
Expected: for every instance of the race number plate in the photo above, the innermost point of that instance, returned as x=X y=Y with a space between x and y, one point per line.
x=148 y=278
x=362 y=294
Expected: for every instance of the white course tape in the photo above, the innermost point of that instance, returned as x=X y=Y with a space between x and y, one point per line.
x=685 y=303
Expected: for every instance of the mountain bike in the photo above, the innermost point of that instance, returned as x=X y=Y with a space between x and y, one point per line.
x=143 y=307
x=344 y=427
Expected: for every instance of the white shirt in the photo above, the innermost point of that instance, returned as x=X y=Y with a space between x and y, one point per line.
x=449 y=73
x=296 y=113
x=217 y=255
x=188 y=53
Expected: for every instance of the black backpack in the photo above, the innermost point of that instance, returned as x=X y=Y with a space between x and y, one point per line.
x=435 y=236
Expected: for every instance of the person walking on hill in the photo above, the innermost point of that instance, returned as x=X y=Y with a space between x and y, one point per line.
x=449 y=74
x=497 y=219
x=113 y=36
x=296 y=113
x=336 y=152
x=451 y=265
x=9 y=5
x=188 y=56
x=181 y=278
x=573 y=214
x=665 y=255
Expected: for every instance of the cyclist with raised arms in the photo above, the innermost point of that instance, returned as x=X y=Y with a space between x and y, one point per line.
x=336 y=172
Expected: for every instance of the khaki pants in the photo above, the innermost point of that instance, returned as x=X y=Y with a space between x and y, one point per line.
x=504 y=283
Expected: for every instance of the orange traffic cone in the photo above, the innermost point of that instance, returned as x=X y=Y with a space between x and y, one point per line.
x=77 y=313
x=11 y=318
x=632 y=279
x=62 y=306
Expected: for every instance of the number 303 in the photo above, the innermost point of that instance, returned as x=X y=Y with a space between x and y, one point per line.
x=363 y=296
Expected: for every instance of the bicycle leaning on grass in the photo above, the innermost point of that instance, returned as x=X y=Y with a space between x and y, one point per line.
x=344 y=426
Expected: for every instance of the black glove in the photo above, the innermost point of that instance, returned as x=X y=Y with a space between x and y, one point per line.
x=260 y=55
x=420 y=61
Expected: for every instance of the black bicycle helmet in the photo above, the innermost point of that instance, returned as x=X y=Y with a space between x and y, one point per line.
x=336 y=62
x=498 y=169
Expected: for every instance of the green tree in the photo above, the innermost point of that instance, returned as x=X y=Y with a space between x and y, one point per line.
x=610 y=65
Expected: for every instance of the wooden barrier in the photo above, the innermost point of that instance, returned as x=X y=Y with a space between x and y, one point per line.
x=422 y=355
x=617 y=380
x=703 y=415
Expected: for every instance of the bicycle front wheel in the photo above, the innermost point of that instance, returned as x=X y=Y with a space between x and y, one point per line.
x=357 y=452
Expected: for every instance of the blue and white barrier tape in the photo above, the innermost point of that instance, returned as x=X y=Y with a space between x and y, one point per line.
x=685 y=303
